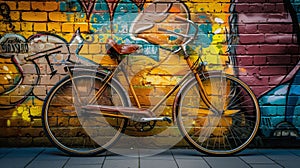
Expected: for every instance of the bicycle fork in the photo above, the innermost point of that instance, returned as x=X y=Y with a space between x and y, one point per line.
x=202 y=91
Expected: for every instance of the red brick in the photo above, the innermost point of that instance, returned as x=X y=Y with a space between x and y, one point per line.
x=293 y=49
x=253 y=18
x=264 y=28
x=280 y=18
x=259 y=60
x=255 y=80
x=270 y=7
x=250 y=28
x=253 y=49
x=273 y=49
x=275 y=28
x=282 y=28
x=251 y=38
x=240 y=49
x=244 y=60
x=273 y=70
x=271 y=38
x=280 y=7
x=295 y=59
x=253 y=8
x=272 y=1
x=241 y=7
x=285 y=38
x=279 y=60
x=260 y=90
x=248 y=70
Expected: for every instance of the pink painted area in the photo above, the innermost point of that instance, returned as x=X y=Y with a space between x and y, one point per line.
x=267 y=52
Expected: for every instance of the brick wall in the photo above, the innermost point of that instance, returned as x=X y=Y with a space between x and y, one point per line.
x=256 y=40
x=267 y=56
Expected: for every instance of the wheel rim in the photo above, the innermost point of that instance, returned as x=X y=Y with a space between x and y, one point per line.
x=71 y=133
x=235 y=127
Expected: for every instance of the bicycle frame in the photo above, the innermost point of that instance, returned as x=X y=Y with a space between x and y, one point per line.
x=193 y=72
x=139 y=109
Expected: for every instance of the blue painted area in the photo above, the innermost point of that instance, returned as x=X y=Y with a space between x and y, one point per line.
x=63 y=6
x=204 y=37
x=296 y=6
x=282 y=104
x=293 y=96
x=100 y=19
x=273 y=100
x=70 y=6
x=174 y=38
x=272 y=107
x=125 y=14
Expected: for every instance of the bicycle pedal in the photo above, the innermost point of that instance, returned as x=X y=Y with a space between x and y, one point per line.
x=169 y=120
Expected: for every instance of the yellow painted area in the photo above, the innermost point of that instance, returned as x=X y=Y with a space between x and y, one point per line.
x=9 y=74
x=219 y=13
x=22 y=112
x=25 y=111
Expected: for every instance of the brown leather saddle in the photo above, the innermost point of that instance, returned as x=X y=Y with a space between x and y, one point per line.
x=121 y=49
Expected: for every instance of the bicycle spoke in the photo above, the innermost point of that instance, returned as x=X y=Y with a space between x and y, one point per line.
x=60 y=114
x=233 y=129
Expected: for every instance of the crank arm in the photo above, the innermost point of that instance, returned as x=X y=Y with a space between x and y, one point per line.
x=156 y=119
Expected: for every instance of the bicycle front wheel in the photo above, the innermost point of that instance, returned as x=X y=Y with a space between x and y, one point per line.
x=226 y=126
x=78 y=132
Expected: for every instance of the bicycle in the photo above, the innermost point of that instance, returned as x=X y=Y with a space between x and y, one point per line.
x=217 y=123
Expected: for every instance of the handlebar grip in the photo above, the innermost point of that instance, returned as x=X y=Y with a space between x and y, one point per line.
x=181 y=19
x=162 y=29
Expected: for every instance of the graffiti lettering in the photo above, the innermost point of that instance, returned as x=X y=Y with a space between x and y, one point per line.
x=13 y=45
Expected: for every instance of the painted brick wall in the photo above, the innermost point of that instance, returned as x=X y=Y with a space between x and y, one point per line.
x=268 y=56
x=256 y=40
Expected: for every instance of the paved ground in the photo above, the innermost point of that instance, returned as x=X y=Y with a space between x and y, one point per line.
x=174 y=158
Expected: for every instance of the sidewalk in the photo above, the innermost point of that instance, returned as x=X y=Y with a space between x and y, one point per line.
x=173 y=158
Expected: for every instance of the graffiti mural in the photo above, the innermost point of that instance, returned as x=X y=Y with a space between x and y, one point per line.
x=38 y=60
x=258 y=42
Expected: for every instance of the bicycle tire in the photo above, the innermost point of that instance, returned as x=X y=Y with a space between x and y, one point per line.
x=66 y=130
x=226 y=132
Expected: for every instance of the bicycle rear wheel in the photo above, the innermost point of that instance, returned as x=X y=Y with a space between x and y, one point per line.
x=78 y=132
x=226 y=128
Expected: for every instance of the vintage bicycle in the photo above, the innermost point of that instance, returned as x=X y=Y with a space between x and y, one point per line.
x=216 y=113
